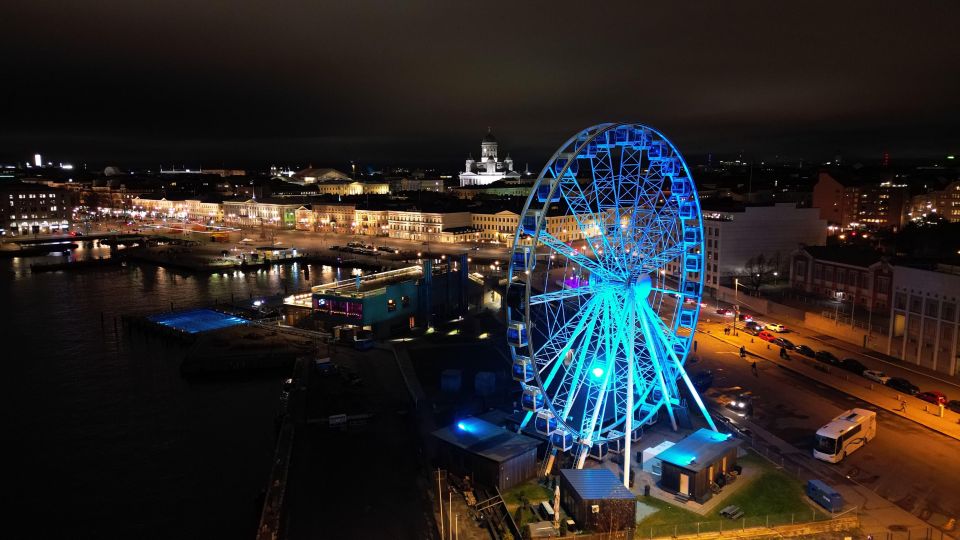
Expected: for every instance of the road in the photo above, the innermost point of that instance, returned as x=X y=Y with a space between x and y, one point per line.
x=907 y=464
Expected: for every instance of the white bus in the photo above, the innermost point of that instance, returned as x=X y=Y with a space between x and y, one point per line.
x=845 y=434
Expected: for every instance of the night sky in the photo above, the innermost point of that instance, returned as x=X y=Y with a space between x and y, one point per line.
x=217 y=82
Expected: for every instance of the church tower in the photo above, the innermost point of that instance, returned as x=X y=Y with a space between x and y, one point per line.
x=488 y=148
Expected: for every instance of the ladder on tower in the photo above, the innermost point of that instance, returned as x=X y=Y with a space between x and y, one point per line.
x=580 y=456
x=549 y=456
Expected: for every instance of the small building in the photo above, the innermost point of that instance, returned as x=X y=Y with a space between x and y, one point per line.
x=598 y=500
x=489 y=454
x=691 y=465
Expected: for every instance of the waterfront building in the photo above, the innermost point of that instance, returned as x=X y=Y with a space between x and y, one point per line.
x=372 y=221
x=190 y=209
x=424 y=225
x=487 y=169
x=857 y=276
x=924 y=328
x=274 y=214
x=500 y=227
x=33 y=209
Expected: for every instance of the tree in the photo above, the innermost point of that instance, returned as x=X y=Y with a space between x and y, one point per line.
x=759 y=271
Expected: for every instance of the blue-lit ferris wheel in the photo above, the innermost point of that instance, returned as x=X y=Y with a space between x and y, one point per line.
x=604 y=291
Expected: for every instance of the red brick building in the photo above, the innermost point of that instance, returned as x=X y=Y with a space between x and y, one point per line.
x=862 y=276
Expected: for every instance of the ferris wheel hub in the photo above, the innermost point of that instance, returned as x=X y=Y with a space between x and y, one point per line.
x=641 y=285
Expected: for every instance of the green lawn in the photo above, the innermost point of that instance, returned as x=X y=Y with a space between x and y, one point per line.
x=667 y=513
x=532 y=491
x=771 y=492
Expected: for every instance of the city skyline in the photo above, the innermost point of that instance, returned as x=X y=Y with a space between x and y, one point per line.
x=419 y=83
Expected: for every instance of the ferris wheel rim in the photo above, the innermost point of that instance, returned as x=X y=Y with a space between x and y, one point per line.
x=591 y=134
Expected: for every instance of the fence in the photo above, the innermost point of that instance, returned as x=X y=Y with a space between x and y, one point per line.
x=905 y=533
x=769 y=521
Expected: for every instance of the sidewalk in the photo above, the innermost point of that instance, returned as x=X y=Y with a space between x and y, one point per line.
x=921 y=412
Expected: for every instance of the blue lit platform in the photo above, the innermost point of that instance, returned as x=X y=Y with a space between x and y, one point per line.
x=195 y=321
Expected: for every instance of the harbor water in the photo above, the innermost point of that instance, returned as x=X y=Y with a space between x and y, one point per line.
x=107 y=439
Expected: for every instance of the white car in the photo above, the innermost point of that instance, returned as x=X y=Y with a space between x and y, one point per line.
x=876 y=375
x=775 y=327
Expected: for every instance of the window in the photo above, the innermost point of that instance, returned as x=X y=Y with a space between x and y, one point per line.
x=949 y=311
x=391 y=305
x=900 y=300
x=933 y=307
x=916 y=303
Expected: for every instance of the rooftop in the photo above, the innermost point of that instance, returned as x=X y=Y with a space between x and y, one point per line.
x=849 y=255
x=592 y=484
x=699 y=450
x=486 y=440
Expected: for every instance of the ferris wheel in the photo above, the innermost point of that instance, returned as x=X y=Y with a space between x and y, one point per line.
x=605 y=282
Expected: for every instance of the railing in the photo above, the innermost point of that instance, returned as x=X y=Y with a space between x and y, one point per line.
x=730 y=527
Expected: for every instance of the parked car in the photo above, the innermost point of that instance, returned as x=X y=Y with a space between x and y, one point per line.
x=806 y=351
x=876 y=375
x=827 y=357
x=725 y=312
x=775 y=327
x=903 y=385
x=746 y=317
x=954 y=405
x=785 y=343
x=766 y=336
x=933 y=396
x=853 y=365
x=753 y=328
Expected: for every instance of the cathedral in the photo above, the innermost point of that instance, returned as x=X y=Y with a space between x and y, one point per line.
x=487 y=169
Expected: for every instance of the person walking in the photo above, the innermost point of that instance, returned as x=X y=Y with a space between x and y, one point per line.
x=743 y=352
x=903 y=406
x=753 y=368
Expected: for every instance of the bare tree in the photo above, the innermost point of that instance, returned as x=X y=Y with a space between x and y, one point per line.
x=760 y=270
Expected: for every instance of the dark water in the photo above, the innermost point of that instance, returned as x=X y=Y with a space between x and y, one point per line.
x=107 y=439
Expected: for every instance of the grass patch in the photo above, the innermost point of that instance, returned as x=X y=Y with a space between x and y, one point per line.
x=771 y=492
x=666 y=513
x=531 y=491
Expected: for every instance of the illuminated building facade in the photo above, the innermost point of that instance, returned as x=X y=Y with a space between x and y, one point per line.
x=854 y=202
x=487 y=169
x=33 y=209
x=944 y=203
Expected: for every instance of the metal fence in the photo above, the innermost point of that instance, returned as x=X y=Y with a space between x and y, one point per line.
x=730 y=525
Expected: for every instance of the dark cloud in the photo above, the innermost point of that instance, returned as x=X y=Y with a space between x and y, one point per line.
x=419 y=81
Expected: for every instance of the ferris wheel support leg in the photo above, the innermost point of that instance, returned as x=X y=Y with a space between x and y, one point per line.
x=550 y=459
x=656 y=355
x=686 y=378
x=628 y=426
x=526 y=420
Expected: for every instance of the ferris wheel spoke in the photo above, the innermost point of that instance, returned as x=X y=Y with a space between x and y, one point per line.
x=561 y=340
x=571 y=383
x=679 y=369
x=573 y=255
x=597 y=394
x=561 y=295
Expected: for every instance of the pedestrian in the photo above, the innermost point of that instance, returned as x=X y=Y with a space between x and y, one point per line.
x=743 y=352
x=903 y=406
x=694 y=345
x=753 y=368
